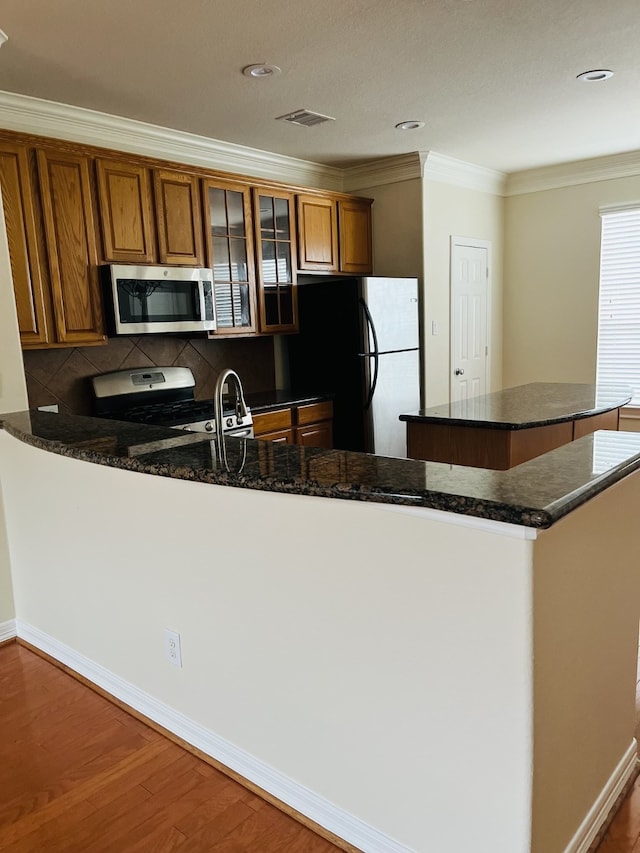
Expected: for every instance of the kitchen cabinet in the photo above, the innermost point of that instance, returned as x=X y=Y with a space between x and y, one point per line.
x=179 y=218
x=230 y=256
x=317 y=233
x=67 y=207
x=334 y=234
x=355 y=248
x=274 y=426
x=310 y=424
x=276 y=260
x=126 y=213
x=314 y=424
x=70 y=207
x=19 y=215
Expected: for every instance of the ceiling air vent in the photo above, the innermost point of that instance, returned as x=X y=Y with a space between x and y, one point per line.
x=305 y=117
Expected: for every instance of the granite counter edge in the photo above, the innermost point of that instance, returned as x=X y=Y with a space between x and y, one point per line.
x=463 y=505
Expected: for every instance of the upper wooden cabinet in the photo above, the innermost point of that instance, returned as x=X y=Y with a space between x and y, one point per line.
x=354 y=220
x=19 y=215
x=230 y=256
x=65 y=187
x=334 y=234
x=126 y=215
x=70 y=207
x=317 y=233
x=276 y=260
x=179 y=218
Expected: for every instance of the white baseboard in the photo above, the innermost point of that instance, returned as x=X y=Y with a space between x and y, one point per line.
x=303 y=800
x=600 y=810
x=7 y=630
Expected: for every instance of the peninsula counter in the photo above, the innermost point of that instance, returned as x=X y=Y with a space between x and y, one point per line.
x=508 y=427
x=358 y=634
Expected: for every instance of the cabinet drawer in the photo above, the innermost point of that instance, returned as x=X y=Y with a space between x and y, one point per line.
x=271 y=421
x=278 y=436
x=314 y=412
x=315 y=435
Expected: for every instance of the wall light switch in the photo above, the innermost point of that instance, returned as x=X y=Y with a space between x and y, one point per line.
x=435 y=328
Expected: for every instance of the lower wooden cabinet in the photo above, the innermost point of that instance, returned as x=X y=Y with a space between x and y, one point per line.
x=314 y=424
x=275 y=425
x=315 y=435
x=309 y=425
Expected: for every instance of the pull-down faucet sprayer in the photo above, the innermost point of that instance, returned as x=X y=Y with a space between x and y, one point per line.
x=241 y=411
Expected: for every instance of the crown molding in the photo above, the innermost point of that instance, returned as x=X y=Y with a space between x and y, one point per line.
x=574 y=173
x=388 y=170
x=448 y=170
x=62 y=121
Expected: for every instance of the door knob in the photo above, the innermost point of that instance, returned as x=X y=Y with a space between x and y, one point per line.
x=459 y=371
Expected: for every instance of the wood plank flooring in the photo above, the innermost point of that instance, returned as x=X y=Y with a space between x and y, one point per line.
x=623 y=836
x=79 y=774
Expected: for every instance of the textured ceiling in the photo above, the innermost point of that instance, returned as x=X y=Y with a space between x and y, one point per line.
x=494 y=80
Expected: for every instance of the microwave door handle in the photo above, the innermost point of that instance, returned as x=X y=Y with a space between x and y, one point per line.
x=374 y=355
x=201 y=306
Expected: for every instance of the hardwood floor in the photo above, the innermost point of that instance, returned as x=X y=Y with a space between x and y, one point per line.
x=79 y=774
x=623 y=836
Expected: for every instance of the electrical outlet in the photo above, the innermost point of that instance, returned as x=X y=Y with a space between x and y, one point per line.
x=172 y=647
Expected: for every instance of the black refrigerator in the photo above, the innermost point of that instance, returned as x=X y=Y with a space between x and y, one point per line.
x=359 y=340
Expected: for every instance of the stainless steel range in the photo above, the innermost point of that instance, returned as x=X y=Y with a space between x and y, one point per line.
x=164 y=396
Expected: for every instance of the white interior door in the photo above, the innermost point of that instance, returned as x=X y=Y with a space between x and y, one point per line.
x=469 y=318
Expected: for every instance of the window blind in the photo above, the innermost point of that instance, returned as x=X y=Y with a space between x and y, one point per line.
x=619 y=306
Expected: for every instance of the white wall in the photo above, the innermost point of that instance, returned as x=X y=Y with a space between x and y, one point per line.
x=454 y=211
x=552 y=268
x=13 y=395
x=372 y=656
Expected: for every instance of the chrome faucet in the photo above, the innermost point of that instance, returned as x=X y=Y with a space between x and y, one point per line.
x=240 y=405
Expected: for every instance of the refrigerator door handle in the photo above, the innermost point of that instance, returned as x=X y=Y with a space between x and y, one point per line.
x=373 y=355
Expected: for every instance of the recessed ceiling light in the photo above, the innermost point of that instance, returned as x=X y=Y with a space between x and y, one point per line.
x=410 y=125
x=260 y=70
x=595 y=76
x=3 y=37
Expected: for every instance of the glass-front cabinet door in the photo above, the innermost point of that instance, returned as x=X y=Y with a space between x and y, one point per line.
x=275 y=249
x=230 y=256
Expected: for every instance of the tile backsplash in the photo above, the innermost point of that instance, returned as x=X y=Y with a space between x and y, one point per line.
x=61 y=375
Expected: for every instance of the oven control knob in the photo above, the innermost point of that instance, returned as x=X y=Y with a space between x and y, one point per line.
x=208 y=426
x=229 y=422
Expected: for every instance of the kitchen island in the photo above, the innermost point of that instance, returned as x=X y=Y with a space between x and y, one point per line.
x=358 y=633
x=505 y=428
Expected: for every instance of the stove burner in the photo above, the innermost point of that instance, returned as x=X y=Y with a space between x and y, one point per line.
x=167 y=414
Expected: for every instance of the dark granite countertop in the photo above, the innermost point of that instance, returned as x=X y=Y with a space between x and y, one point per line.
x=534 y=494
x=536 y=404
x=264 y=401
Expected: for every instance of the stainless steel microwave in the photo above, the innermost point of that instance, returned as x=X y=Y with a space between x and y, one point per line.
x=142 y=300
